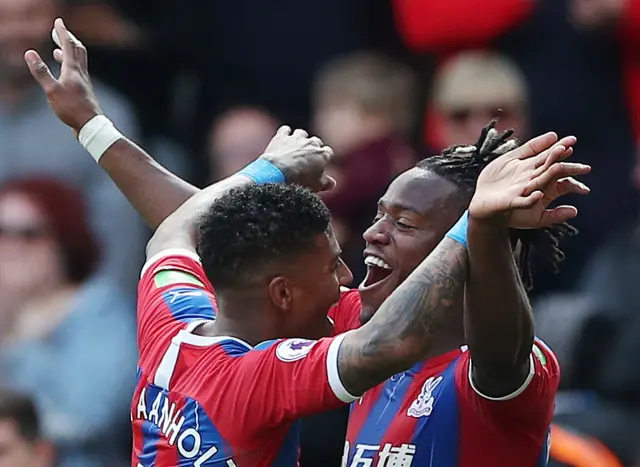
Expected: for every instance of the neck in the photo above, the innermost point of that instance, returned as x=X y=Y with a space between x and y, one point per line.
x=242 y=315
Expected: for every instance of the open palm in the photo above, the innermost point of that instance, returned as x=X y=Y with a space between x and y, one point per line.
x=521 y=184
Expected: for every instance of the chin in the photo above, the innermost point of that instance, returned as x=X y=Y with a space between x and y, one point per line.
x=373 y=295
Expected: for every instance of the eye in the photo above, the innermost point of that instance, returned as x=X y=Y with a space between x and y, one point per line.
x=404 y=225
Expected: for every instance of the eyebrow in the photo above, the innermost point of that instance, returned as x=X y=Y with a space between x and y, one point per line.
x=399 y=207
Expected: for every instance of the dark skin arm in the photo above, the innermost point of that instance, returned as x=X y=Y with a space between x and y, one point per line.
x=498 y=320
x=402 y=331
x=499 y=328
x=150 y=188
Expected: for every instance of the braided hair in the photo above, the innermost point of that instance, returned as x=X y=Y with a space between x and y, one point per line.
x=462 y=164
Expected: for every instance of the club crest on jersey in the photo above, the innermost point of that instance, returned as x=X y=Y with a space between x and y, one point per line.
x=423 y=405
x=291 y=350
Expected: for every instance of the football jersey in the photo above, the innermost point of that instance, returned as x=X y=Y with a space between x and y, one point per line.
x=431 y=415
x=217 y=401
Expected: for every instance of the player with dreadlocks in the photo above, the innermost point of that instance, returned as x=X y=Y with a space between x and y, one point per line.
x=448 y=411
x=488 y=404
x=462 y=166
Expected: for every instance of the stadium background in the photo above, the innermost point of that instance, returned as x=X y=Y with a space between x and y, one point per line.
x=204 y=84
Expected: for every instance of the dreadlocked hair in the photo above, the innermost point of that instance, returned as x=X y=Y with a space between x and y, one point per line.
x=462 y=164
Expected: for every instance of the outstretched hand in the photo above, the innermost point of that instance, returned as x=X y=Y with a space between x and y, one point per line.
x=520 y=185
x=302 y=159
x=71 y=95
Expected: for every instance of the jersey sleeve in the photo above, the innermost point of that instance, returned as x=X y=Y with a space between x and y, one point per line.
x=173 y=293
x=280 y=381
x=345 y=315
x=531 y=404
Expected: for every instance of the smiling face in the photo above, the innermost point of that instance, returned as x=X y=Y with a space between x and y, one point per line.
x=414 y=214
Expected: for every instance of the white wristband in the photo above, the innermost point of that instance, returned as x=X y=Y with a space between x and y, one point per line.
x=98 y=135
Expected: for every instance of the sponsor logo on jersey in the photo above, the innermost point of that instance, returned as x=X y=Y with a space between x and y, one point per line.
x=291 y=350
x=172 y=277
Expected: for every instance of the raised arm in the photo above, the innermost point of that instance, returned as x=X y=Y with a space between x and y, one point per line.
x=401 y=332
x=289 y=157
x=152 y=190
x=498 y=320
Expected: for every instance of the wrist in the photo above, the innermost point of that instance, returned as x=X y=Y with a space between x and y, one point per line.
x=499 y=220
x=97 y=135
x=458 y=232
x=288 y=173
x=262 y=171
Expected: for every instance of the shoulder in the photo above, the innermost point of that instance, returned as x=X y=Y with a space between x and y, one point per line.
x=345 y=315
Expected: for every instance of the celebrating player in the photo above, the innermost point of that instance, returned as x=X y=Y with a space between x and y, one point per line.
x=207 y=394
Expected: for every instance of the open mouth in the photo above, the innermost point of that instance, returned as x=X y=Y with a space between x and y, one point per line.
x=377 y=271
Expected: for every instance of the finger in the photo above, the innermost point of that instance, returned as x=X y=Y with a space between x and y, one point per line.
x=548 y=158
x=525 y=202
x=316 y=141
x=73 y=50
x=40 y=71
x=62 y=38
x=567 y=142
x=284 y=130
x=556 y=171
x=571 y=186
x=300 y=133
x=327 y=183
x=557 y=215
x=535 y=146
x=58 y=55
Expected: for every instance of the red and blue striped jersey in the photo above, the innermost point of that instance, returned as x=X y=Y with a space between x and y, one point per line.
x=432 y=416
x=217 y=401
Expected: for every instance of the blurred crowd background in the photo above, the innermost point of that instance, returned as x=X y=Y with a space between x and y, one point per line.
x=203 y=85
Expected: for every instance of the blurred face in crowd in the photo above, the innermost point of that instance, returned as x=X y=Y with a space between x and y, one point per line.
x=237 y=138
x=414 y=214
x=16 y=451
x=461 y=124
x=24 y=24
x=344 y=125
x=30 y=260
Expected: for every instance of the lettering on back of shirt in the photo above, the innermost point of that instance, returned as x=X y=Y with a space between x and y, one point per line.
x=169 y=419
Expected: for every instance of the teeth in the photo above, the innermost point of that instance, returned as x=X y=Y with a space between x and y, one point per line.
x=375 y=261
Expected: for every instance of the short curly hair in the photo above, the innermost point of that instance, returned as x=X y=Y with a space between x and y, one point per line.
x=255 y=226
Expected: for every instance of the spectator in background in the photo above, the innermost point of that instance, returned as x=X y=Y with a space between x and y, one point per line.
x=21 y=442
x=67 y=338
x=469 y=90
x=364 y=109
x=31 y=141
x=236 y=138
x=575 y=80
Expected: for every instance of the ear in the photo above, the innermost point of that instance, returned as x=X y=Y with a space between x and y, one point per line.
x=280 y=292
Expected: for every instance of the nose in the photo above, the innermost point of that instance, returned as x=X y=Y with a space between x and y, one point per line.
x=377 y=234
x=345 y=276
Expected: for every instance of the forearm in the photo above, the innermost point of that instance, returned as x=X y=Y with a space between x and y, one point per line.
x=498 y=321
x=152 y=190
x=180 y=228
x=402 y=331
